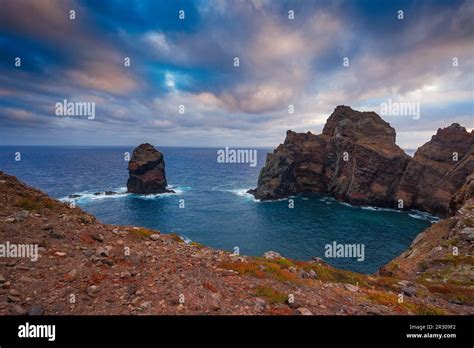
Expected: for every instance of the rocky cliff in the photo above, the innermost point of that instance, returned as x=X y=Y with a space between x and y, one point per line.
x=438 y=169
x=356 y=160
x=443 y=252
x=147 y=171
x=133 y=270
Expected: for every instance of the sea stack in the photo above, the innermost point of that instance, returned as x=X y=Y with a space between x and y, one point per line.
x=356 y=160
x=147 y=171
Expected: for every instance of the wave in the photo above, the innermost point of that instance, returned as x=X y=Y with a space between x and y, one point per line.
x=186 y=239
x=421 y=215
x=243 y=193
x=416 y=214
x=368 y=207
x=88 y=196
x=85 y=197
x=250 y=197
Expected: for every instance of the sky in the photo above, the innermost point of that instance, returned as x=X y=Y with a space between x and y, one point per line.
x=190 y=62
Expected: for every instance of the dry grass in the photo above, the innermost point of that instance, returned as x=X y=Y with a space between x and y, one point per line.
x=262 y=268
x=176 y=238
x=391 y=300
x=143 y=232
x=327 y=273
x=28 y=204
x=271 y=295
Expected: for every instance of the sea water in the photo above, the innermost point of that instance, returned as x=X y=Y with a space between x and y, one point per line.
x=210 y=204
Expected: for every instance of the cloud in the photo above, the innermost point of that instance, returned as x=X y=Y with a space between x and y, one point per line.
x=190 y=63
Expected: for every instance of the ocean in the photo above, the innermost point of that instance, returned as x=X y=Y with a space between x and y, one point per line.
x=217 y=212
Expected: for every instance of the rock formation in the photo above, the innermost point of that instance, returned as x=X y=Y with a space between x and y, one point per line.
x=438 y=169
x=356 y=160
x=443 y=252
x=147 y=171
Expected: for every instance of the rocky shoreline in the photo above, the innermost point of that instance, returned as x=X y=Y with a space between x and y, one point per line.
x=87 y=267
x=356 y=160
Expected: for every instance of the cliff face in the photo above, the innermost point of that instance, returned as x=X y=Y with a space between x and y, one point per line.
x=438 y=169
x=443 y=252
x=356 y=160
x=147 y=171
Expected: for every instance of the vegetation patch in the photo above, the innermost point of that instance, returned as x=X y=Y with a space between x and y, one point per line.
x=244 y=268
x=429 y=310
x=28 y=204
x=327 y=273
x=453 y=293
x=176 y=238
x=197 y=245
x=456 y=260
x=468 y=222
x=263 y=268
x=143 y=232
x=48 y=203
x=271 y=295
x=391 y=300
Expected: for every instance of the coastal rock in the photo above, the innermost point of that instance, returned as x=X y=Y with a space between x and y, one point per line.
x=427 y=259
x=147 y=171
x=270 y=255
x=356 y=160
x=462 y=195
x=438 y=169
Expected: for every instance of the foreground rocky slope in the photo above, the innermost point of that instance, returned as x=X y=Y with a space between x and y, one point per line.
x=147 y=171
x=356 y=160
x=443 y=253
x=87 y=267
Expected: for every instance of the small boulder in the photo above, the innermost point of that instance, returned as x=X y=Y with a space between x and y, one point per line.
x=36 y=310
x=22 y=215
x=351 y=287
x=304 y=311
x=93 y=289
x=271 y=255
x=19 y=310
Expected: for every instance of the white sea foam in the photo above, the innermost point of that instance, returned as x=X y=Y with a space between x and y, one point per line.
x=380 y=209
x=186 y=239
x=121 y=192
x=87 y=196
x=416 y=214
x=250 y=197
x=243 y=193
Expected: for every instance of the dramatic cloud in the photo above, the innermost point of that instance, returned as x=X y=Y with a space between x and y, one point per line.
x=183 y=88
